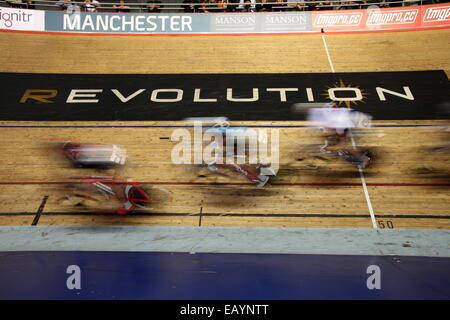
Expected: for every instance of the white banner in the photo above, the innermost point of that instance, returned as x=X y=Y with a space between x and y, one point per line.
x=22 y=19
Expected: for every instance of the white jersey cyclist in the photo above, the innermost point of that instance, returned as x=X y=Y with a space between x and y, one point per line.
x=339 y=119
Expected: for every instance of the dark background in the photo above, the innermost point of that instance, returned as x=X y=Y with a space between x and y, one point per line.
x=428 y=87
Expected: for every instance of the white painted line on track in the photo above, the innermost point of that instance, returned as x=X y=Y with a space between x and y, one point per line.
x=361 y=173
x=328 y=54
x=366 y=191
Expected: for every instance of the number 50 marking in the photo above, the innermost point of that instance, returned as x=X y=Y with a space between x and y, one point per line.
x=389 y=224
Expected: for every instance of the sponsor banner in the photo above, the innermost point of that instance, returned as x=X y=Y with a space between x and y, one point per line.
x=126 y=22
x=178 y=23
x=381 y=19
x=286 y=22
x=392 y=18
x=233 y=23
x=371 y=19
x=436 y=15
x=261 y=22
x=412 y=95
x=335 y=19
x=21 y=19
x=273 y=22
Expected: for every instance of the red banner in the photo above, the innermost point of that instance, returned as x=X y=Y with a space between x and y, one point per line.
x=382 y=19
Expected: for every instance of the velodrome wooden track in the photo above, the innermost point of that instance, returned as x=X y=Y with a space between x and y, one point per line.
x=29 y=169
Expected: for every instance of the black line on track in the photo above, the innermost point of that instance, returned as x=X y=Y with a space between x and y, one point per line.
x=39 y=211
x=190 y=126
x=269 y=215
x=200 y=219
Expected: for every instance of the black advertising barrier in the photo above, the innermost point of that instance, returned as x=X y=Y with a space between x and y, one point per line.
x=409 y=95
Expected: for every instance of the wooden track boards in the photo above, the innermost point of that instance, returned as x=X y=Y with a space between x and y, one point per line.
x=384 y=51
x=331 y=196
x=27 y=154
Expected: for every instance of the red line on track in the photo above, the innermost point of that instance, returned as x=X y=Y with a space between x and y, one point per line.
x=343 y=184
x=68 y=33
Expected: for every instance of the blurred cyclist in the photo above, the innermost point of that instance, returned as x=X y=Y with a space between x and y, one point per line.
x=338 y=122
x=129 y=193
x=250 y=172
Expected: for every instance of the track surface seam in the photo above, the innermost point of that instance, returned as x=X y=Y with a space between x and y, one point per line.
x=262 y=215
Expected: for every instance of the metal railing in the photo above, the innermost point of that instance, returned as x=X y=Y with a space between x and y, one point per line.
x=211 y=7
